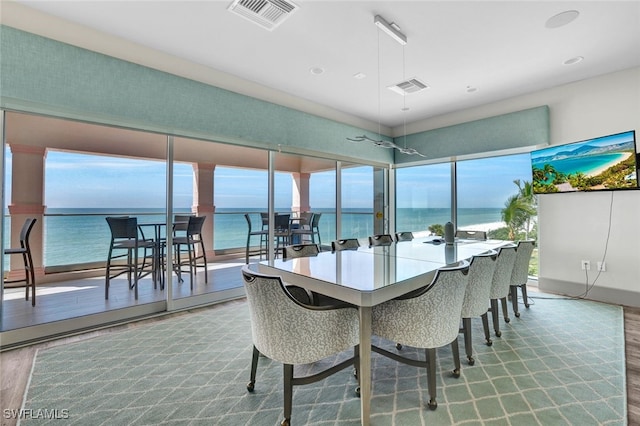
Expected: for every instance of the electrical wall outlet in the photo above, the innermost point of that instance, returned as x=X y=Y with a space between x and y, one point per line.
x=602 y=266
x=586 y=265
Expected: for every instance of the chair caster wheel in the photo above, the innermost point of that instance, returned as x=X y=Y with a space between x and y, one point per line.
x=251 y=386
x=286 y=422
x=470 y=361
x=526 y=305
x=433 y=404
x=507 y=320
x=399 y=346
x=355 y=373
x=498 y=333
x=456 y=373
x=517 y=314
x=358 y=391
x=489 y=342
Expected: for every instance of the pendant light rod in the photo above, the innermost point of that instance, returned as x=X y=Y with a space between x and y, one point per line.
x=391 y=29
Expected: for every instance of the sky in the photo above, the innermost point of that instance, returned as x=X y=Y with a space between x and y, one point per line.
x=89 y=181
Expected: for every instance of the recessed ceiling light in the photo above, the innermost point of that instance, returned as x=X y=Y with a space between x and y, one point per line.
x=405 y=109
x=562 y=19
x=471 y=89
x=359 y=76
x=316 y=70
x=574 y=60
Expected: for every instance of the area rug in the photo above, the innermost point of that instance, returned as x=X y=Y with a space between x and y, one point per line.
x=560 y=363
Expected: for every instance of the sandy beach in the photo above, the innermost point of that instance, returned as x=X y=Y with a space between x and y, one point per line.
x=606 y=166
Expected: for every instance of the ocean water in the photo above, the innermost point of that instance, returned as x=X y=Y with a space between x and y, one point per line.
x=74 y=236
x=586 y=165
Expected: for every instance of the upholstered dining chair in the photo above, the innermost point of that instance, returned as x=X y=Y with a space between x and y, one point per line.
x=500 y=284
x=404 y=236
x=345 y=244
x=294 y=252
x=192 y=242
x=25 y=251
x=300 y=250
x=520 y=273
x=476 y=296
x=263 y=233
x=380 y=240
x=124 y=253
x=427 y=318
x=278 y=321
x=471 y=235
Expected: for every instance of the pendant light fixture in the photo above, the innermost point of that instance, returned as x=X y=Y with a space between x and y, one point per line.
x=394 y=32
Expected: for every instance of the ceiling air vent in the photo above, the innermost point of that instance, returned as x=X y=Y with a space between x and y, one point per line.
x=413 y=85
x=266 y=13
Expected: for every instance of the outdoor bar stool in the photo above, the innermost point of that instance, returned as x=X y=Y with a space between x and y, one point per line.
x=262 y=233
x=193 y=244
x=25 y=251
x=124 y=253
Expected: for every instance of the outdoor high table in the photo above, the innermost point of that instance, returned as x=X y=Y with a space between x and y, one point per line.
x=370 y=276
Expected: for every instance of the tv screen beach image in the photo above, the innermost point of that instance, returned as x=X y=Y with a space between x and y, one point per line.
x=603 y=163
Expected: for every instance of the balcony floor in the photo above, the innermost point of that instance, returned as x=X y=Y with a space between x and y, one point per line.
x=66 y=300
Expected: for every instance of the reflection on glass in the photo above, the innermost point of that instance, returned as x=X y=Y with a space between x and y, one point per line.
x=357 y=201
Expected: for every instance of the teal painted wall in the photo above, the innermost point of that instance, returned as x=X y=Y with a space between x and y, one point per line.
x=38 y=74
x=525 y=128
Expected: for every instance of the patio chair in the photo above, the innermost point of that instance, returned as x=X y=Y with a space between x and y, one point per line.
x=192 y=243
x=262 y=233
x=281 y=326
x=25 y=251
x=124 y=253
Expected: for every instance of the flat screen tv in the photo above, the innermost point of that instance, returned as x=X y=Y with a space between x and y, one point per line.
x=604 y=163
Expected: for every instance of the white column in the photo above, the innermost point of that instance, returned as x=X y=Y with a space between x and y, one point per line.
x=27 y=196
x=300 y=193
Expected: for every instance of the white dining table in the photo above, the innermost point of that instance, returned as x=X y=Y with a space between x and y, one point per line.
x=372 y=275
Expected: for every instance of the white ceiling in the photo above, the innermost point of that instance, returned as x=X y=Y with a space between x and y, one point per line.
x=502 y=48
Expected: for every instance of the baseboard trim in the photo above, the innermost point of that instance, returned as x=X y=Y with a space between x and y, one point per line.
x=596 y=293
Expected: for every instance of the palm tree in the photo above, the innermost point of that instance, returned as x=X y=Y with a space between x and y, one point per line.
x=520 y=209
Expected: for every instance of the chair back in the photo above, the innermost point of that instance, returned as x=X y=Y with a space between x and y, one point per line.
x=380 y=240
x=471 y=235
x=123 y=227
x=476 y=297
x=300 y=250
x=502 y=274
x=264 y=217
x=282 y=222
x=404 y=236
x=25 y=232
x=306 y=219
x=520 y=273
x=248 y=219
x=194 y=226
x=346 y=244
x=431 y=319
x=181 y=223
x=315 y=220
x=287 y=331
